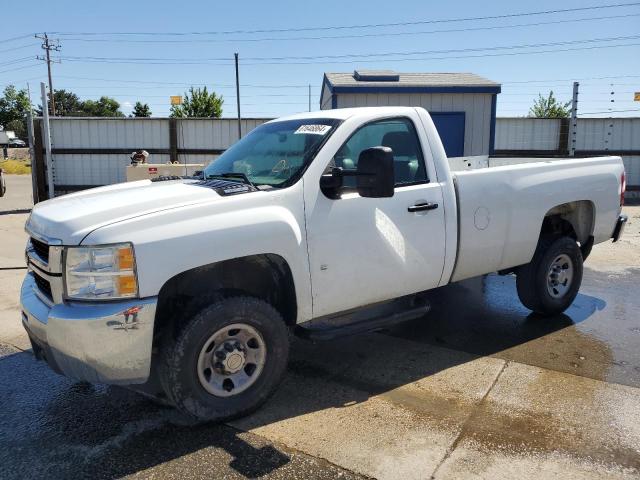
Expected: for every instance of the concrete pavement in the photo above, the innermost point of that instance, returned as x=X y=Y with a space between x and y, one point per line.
x=479 y=388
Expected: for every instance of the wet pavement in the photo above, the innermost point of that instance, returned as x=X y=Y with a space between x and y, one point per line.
x=478 y=388
x=597 y=337
x=52 y=427
x=424 y=388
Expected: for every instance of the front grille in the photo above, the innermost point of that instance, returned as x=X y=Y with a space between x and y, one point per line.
x=43 y=285
x=42 y=249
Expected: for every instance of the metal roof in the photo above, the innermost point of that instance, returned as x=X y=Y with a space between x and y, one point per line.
x=407 y=79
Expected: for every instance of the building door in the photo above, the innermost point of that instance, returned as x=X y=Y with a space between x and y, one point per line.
x=450 y=126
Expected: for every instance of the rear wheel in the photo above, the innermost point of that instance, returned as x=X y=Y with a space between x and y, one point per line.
x=549 y=284
x=227 y=360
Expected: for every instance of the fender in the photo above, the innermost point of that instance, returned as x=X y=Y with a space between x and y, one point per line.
x=170 y=242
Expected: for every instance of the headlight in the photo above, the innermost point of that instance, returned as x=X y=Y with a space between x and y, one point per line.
x=100 y=273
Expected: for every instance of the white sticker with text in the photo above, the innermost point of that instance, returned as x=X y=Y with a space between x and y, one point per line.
x=313 y=129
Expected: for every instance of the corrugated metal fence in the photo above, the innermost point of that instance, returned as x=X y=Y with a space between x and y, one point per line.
x=526 y=137
x=87 y=152
x=95 y=151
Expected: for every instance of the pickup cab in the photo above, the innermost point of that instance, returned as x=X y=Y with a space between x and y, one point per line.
x=318 y=223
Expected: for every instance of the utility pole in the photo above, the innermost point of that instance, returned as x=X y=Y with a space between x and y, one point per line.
x=607 y=138
x=574 y=120
x=238 y=97
x=47 y=46
x=46 y=130
x=309 y=97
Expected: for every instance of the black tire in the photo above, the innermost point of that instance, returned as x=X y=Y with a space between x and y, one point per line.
x=532 y=278
x=179 y=359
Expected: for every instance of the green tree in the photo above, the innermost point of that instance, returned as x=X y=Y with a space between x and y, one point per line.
x=19 y=127
x=104 y=107
x=199 y=103
x=549 y=107
x=141 y=110
x=14 y=105
x=68 y=104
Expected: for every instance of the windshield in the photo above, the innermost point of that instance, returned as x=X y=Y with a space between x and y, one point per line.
x=274 y=154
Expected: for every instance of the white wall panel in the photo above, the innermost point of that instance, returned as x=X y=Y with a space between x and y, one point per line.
x=614 y=133
x=109 y=133
x=477 y=108
x=632 y=169
x=527 y=134
x=131 y=134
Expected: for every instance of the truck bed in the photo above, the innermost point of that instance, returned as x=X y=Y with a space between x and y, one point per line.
x=502 y=203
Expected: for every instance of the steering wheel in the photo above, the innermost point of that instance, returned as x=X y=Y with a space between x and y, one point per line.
x=279 y=167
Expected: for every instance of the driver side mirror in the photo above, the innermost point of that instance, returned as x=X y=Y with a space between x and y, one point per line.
x=375 y=173
x=331 y=183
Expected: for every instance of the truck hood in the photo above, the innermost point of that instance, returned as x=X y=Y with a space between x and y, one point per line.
x=70 y=218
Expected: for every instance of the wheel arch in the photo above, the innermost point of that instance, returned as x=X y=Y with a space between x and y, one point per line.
x=265 y=276
x=574 y=219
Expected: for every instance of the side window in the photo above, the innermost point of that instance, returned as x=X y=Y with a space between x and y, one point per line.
x=398 y=134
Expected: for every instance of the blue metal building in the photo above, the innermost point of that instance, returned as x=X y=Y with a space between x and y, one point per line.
x=462 y=105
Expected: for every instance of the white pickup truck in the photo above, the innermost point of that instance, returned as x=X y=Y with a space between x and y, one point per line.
x=324 y=222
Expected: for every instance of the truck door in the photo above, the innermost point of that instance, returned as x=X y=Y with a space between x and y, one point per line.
x=366 y=250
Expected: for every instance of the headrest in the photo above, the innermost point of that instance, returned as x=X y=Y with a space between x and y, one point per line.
x=402 y=143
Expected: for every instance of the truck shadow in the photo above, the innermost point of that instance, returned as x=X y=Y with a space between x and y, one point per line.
x=112 y=432
x=476 y=318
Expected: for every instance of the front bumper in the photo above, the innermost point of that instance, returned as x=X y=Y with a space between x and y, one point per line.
x=106 y=342
x=619 y=230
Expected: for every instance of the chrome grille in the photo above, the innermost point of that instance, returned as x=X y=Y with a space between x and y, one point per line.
x=41 y=248
x=43 y=285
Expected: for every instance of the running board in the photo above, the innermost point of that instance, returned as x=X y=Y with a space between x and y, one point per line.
x=330 y=332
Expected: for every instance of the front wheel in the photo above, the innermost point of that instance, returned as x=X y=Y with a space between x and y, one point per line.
x=549 y=284
x=227 y=360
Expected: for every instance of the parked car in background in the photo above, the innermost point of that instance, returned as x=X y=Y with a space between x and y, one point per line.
x=310 y=221
x=17 y=143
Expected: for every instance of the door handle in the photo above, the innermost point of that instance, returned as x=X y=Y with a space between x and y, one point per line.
x=418 y=207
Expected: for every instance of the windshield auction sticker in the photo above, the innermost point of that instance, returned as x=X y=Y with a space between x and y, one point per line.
x=313 y=129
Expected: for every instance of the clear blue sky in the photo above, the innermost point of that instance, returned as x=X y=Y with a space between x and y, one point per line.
x=153 y=83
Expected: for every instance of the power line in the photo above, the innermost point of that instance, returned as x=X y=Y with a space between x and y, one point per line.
x=365 y=55
x=350 y=27
x=6 y=40
x=16 y=60
x=323 y=62
x=160 y=84
x=610 y=111
x=187 y=84
x=352 y=57
x=26 y=45
x=20 y=68
x=483 y=55
x=572 y=79
x=362 y=35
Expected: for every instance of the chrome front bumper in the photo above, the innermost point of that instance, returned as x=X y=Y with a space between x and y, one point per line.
x=108 y=342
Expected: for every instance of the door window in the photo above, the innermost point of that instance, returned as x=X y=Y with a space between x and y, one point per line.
x=398 y=134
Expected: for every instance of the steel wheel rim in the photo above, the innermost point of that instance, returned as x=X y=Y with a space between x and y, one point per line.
x=560 y=276
x=231 y=360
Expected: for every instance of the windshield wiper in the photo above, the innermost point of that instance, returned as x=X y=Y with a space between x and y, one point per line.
x=239 y=175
